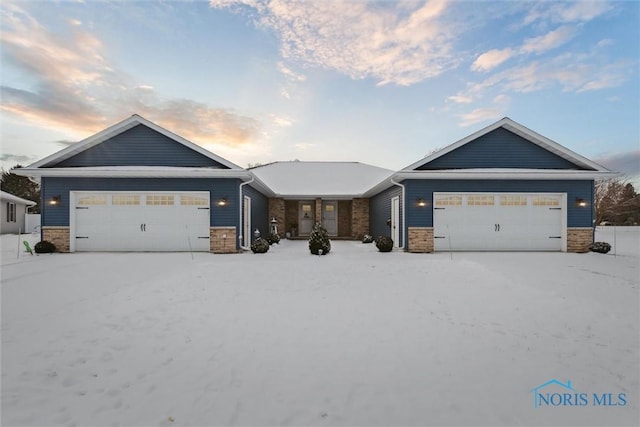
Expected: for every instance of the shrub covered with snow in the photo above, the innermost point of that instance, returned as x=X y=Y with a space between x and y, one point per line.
x=44 y=247
x=384 y=244
x=273 y=238
x=368 y=238
x=260 y=246
x=319 y=242
x=600 y=247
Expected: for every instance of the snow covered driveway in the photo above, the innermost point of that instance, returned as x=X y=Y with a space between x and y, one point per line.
x=356 y=337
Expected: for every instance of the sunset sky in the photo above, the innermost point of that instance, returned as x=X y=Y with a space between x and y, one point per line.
x=384 y=83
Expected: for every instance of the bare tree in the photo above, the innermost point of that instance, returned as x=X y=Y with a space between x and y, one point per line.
x=617 y=203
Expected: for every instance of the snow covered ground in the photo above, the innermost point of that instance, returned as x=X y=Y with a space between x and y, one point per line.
x=356 y=337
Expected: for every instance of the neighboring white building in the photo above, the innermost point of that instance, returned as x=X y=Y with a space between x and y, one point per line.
x=13 y=211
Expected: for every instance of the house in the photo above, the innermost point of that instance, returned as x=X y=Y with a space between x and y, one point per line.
x=536 y=390
x=327 y=192
x=13 y=210
x=503 y=188
x=135 y=186
x=138 y=187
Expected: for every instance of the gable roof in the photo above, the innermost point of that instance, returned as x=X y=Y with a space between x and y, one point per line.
x=10 y=197
x=337 y=180
x=523 y=132
x=117 y=129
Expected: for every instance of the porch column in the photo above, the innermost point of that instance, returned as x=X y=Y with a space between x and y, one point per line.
x=319 y=210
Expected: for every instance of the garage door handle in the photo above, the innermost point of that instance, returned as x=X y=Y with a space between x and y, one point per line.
x=143 y=227
x=555 y=237
x=496 y=227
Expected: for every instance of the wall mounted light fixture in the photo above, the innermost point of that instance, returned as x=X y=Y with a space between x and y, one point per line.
x=55 y=200
x=421 y=202
x=222 y=202
x=581 y=202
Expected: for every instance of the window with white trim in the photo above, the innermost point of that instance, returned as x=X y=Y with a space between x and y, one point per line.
x=11 y=212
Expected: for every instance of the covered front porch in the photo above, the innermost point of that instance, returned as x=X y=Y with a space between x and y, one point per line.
x=343 y=219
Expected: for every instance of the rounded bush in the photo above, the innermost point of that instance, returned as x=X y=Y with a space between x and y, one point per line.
x=259 y=246
x=600 y=247
x=273 y=238
x=319 y=242
x=44 y=247
x=368 y=238
x=384 y=244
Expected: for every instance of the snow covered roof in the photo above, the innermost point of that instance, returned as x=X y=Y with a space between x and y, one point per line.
x=11 y=198
x=298 y=179
x=134 y=171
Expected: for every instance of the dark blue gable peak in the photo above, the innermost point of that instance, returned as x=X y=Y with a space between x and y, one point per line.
x=505 y=144
x=139 y=146
x=500 y=148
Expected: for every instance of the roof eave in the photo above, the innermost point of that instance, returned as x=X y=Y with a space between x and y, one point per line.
x=131 y=173
x=461 y=174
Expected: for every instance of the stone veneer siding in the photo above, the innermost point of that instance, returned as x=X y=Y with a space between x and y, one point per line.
x=59 y=236
x=344 y=218
x=277 y=211
x=359 y=218
x=420 y=239
x=579 y=239
x=219 y=244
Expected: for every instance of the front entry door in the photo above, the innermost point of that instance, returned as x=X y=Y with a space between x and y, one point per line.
x=330 y=217
x=305 y=213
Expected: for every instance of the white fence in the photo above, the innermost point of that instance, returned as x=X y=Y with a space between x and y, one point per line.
x=31 y=223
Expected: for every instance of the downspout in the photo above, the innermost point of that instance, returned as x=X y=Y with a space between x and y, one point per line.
x=240 y=222
x=404 y=223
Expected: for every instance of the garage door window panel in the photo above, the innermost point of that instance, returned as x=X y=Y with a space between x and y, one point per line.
x=449 y=201
x=125 y=200
x=513 y=200
x=481 y=201
x=193 y=201
x=160 y=200
x=96 y=200
x=545 y=201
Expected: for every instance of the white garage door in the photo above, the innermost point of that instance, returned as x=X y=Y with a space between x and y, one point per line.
x=499 y=221
x=140 y=221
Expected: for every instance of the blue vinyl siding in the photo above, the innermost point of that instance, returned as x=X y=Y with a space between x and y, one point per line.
x=139 y=146
x=218 y=189
x=423 y=216
x=499 y=149
x=380 y=211
x=259 y=211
